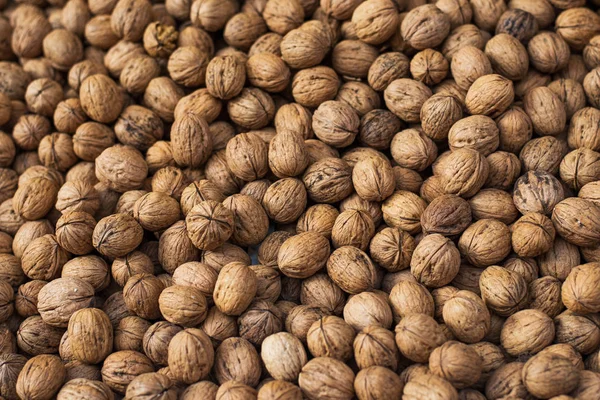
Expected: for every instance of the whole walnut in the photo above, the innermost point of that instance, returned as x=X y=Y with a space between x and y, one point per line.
x=285 y=200
x=485 y=242
x=320 y=344
x=503 y=291
x=456 y=362
x=235 y=288
x=427 y=385
x=237 y=360
x=425 y=27
x=378 y=313
x=463 y=172
x=515 y=129
x=353 y=228
x=77 y=387
x=279 y=347
x=141 y=294
x=576 y=220
x=183 y=305
x=579 y=167
x=462 y=36
x=34 y=382
x=151 y=384
x=403 y=210
x=577 y=26
x=544 y=295
x=117 y=235
x=56 y=151
x=537 y=191
x=408 y=297
x=546 y=110
x=326 y=375
x=122 y=367
x=547 y=374
x=191 y=355
x=544 y=153
x=508 y=56
x=490 y=95
x=375 y=346
x=90 y=335
x=559 y=260
x=577 y=293
x=328 y=180
x=435 y=261
x=417 y=335
x=60 y=298
x=307 y=45
x=532 y=235
x=438 y=114
x=318 y=218
x=209 y=224
x=494 y=204
x=156 y=339
x=405 y=98
x=35 y=199
x=250 y=219
x=467 y=316
x=527 y=331
x=506 y=381
x=392 y=249
x=35 y=337
x=129 y=334
x=351 y=269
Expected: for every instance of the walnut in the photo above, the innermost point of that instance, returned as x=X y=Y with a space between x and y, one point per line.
x=285 y=200
x=462 y=36
x=409 y=297
x=237 y=360
x=577 y=26
x=435 y=261
x=156 y=339
x=448 y=215
x=392 y=248
x=532 y=235
x=77 y=387
x=417 y=335
x=43 y=258
x=235 y=288
x=129 y=334
x=425 y=27
x=547 y=112
x=74 y=232
x=490 y=95
x=327 y=375
x=183 y=305
x=515 y=129
x=386 y=68
x=527 y=331
x=34 y=382
x=506 y=381
x=502 y=290
x=122 y=367
x=219 y=326
x=141 y=295
x=328 y=180
x=463 y=172
x=485 y=242
x=294 y=258
x=576 y=220
x=576 y=291
x=117 y=235
x=456 y=362
x=90 y=335
x=466 y=316
x=191 y=355
x=405 y=98
x=547 y=374
x=319 y=218
x=545 y=154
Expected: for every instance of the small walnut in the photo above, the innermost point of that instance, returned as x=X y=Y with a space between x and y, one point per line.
x=490 y=95
x=527 y=331
x=417 y=335
x=545 y=154
x=559 y=260
x=429 y=66
x=546 y=111
x=320 y=343
x=467 y=316
x=235 y=288
x=156 y=339
x=122 y=168
x=408 y=297
x=392 y=249
x=506 y=381
x=477 y=132
x=438 y=114
x=209 y=224
x=285 y=200
x=386 y=68
x=351 y=269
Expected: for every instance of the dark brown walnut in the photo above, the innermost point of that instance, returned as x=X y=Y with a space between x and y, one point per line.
x=417 y=335
x=43 y=258
x=543 y=154
x=386 y=68
x=328 y=180
x=518 y=23
x=467 y=316
x=503 y=291
x=506 y=381
x=122 y=367
x=138 y=127
x=35 y=337
x=448 y=215
x=191 y=355
x=260 y=320
x=74 y=230
x=527 y=331
x=116 y=235
x=537 y=191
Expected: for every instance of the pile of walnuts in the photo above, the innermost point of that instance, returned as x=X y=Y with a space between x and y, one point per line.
x=299 y=199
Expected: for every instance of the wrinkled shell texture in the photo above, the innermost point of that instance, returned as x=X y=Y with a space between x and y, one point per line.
x=299 y=199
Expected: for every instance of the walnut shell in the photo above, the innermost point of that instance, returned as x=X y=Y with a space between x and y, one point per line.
x=191 y=355
x=417 y=335
x=328 y=376
x=35 y=382
x=467 y=316
x=527 y=331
